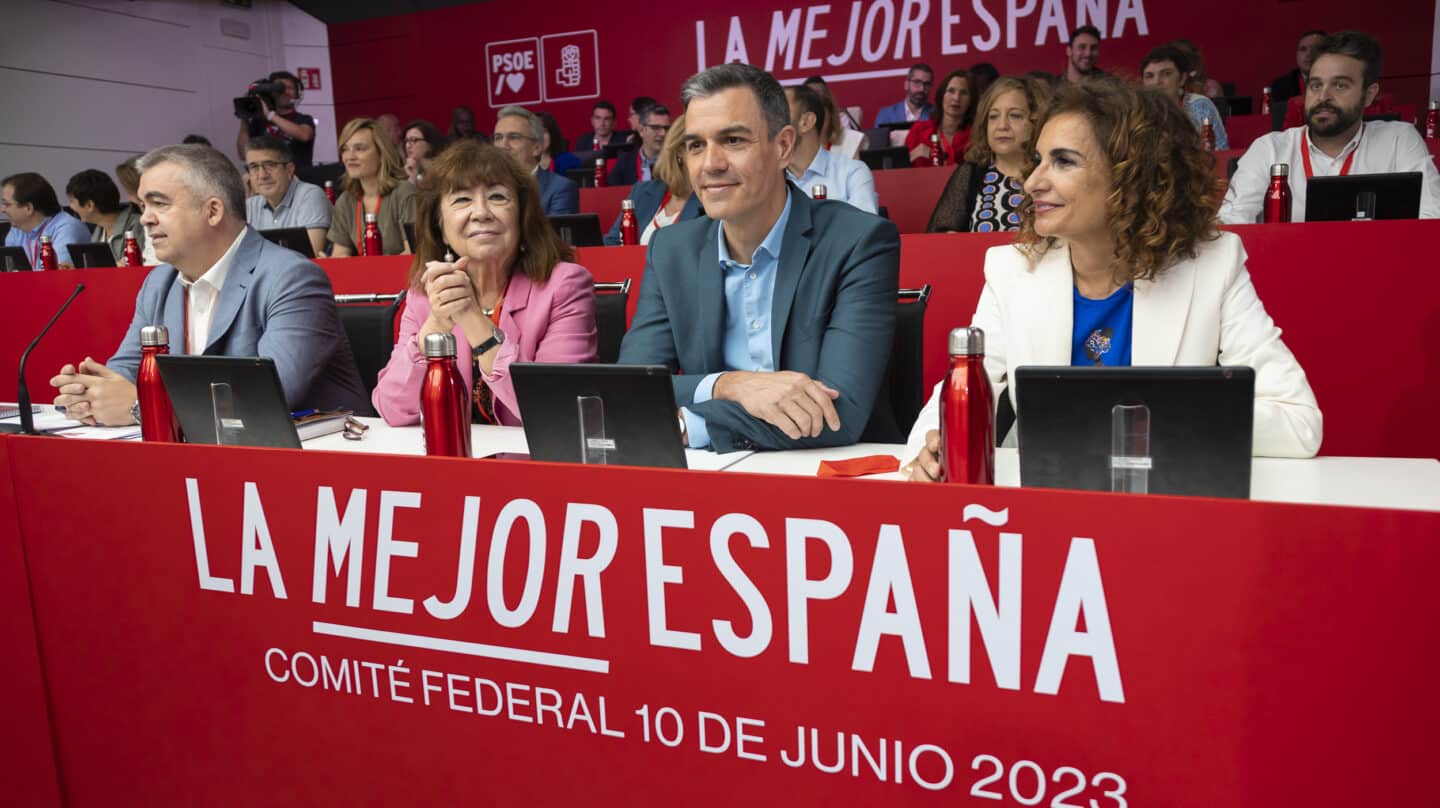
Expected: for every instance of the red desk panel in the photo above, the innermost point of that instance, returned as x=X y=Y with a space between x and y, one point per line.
x=605 y=202
x=909 y=194
x=1244 y=129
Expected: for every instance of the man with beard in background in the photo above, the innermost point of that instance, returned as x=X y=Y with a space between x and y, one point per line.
x=1335 y=141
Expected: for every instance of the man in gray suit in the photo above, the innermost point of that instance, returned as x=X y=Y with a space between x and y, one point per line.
x=520 y=133
x=779 y=309
x=224 y=291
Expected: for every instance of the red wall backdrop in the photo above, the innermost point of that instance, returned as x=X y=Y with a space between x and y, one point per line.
x=421 y=64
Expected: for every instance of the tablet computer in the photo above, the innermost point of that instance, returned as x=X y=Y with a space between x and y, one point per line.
x=14 y=259
x=291 y=238
x=92 y=255
x=228 y=400
x=619 y=415
x=579 y=229
x=1378 y=196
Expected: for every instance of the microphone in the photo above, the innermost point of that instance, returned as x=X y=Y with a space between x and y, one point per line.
x=27 y=418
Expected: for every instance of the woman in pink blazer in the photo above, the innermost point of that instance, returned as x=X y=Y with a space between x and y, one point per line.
x=490 y=269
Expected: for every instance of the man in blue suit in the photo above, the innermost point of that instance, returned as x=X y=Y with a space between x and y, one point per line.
x=223 y=291
x=779 y=309
x=916 y=107
x=520 y=133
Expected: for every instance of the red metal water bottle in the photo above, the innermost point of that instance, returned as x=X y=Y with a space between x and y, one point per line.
x=1432 y=120
x=967 y=413
x=1207 y=135
x=48 y=258
x=600 y=169
x=819 y=192
x=629 y=228
x=444 y=400
x=1277 y=196
x=1265 y=101
x=330 y=191
x=157 y=415
x=935 y=148
x=132 y=255
x=372 y=236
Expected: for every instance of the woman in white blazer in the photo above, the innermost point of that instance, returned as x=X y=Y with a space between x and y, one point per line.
x=1119 y=235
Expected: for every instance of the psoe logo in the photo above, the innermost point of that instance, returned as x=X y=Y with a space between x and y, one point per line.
x=513 y=72
x=572 y=65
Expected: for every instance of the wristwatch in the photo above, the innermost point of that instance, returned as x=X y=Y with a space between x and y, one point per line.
x=498 y=338
x=135 y=411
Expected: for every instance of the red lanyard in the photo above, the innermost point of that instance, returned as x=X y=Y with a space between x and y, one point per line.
x=1305 y=153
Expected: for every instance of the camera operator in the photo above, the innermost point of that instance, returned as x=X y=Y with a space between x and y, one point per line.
x=282 y=121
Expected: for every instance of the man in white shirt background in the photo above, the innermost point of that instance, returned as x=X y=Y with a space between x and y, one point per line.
x=1335 y=140
x=845 y=179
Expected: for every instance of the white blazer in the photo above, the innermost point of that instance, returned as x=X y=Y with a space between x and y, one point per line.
x=1199 y=312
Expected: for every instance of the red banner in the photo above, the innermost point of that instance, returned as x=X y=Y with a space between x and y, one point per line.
x=260 y=626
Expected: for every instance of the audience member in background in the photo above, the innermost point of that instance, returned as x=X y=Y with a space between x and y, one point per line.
x=1165 y=69
x=281 y=200
x=522 y=136
x=1119 y=263
x=638 y=106
x=223 y=290
x=96 y=201
x=374 y=182
x=557 y=156
x=956 y=101
x=1291 y=84
x=638 y=167
x=191 y=140
x=462 y=124
x=389 y=125
x=982 y=76
x=841 y=132
x=1044 y=77
x=845 y=179
x=285 y=121
x=1197 y=79
x=422 y=141
x=986 y=192
x=779 y=309
x=916 y=106
x=491 y=270
x=1383 y=104
x=1082 y=55
x=30 y=203
x=665 y=200
x=1343 y=80
x=602 y=125
x=129 y=177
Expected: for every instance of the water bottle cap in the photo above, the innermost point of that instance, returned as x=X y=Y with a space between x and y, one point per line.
x=129 y=234
x=154 y=335
x=369 y=218
x=1280 y=170
x=627 y=204
x=1434 y=104
x=439 y=345
x=1207 y=121
x=44 y=239
x=329 y=184
x=818 y=190
x=967 y=341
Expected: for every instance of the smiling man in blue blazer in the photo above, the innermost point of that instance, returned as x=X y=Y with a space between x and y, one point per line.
x=224 y=290
x=778 y=309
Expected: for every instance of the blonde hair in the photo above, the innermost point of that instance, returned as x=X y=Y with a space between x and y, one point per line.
x=392 y=166
x=1037 y=95
x=670 y=167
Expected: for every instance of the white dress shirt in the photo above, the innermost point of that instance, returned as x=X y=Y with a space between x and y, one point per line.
x=1379 y=147
x=202 y=295
x=845 y=180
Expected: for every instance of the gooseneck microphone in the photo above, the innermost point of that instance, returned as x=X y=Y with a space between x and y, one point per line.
x=27 y=418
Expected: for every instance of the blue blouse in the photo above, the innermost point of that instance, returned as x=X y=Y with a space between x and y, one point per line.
x=1102 y=329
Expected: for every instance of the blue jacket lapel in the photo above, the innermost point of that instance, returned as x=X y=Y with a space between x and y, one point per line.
x=710 y=299
x=794 y=253
x=237 y=284
x=172 y=312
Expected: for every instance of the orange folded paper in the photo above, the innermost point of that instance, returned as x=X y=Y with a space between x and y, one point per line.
x=858 y=466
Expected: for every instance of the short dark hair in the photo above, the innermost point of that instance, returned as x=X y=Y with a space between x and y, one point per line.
x=920 y=66
x=428 y=130
x=1167 y=53
x=272 y=144
x=642 y=103
x=1356 y=45
x=1084 y=29
x=30 y=188
x=807 y=100
x=768 y=92
x=193 y=138
x=604 y=105
x=93 y=185
x=1311 y=32
x=286 y=74
x=657 y=109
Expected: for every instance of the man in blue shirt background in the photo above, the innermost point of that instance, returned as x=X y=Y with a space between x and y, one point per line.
x=845 y=179
x=34 y=211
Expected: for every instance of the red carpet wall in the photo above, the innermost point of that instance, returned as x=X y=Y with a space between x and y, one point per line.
x=561 y=55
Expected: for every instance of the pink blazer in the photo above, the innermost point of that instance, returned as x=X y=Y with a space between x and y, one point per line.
x=550 y=322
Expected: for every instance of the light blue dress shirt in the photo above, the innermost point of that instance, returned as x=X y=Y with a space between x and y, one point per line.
x=749 y=312
x=845 y=180
x=1201 y=108
x=63 y=230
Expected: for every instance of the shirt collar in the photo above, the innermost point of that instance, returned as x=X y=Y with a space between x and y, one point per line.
x=820 y=166
x=770 y=246
x=284 y=200
x=214 y=277
x=1354 y=142
x=39 y=228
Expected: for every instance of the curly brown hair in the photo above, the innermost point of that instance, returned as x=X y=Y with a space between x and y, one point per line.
x=1163 y=194
x=1037 y=96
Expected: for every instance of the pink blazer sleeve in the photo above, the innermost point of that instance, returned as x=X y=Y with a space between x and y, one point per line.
x=397 y=393
x=556 y=325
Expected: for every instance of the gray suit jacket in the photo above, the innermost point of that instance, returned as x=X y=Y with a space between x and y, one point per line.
x=275 y=304
x=558 y=195
x=833 y=315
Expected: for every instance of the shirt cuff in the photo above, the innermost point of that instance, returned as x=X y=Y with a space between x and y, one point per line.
x=697 y=434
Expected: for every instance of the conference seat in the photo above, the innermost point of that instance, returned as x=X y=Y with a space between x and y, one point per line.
x=902 y=393
x=612 y=303
x=369 y=321
x=891 y=157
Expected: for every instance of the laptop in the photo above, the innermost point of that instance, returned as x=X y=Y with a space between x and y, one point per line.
x=1155 y=430
x=291 y=238
x=1338 y=199
x=14 y=259
x=579 y=229
x=92 y=255
x=230 y=401
x=618 y=415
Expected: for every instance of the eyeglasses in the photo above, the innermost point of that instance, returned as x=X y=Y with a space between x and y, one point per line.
x=510 y=137
x=265 y=166
x=412 y=140
x=658 y=129
x=921 y=82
